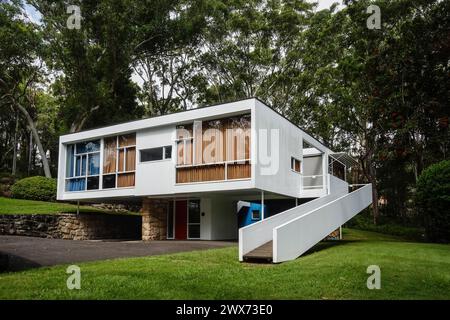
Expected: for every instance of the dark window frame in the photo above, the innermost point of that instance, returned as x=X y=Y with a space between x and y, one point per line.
x=253 y=214
x=293 y=165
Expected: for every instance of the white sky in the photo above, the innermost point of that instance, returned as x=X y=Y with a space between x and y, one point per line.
x=326 y=4
x=35 y=16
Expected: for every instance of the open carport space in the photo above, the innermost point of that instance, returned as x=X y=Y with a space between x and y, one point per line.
x=19 y=253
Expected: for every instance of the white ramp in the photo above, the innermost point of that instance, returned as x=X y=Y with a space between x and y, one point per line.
x=289 y=234
x=293 y=238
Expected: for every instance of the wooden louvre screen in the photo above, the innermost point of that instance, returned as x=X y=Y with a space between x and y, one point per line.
x=201 y=173
x=125 y=180
x=216 y=144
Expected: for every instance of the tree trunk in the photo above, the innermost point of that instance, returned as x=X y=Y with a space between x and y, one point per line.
x=375 y=209
x=37 y=139
x=369 y=173
x=14 y=164
x=30 y=152
x=78 y=124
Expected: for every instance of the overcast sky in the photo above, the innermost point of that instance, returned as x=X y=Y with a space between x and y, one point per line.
x=325 y=4
x=35 y=17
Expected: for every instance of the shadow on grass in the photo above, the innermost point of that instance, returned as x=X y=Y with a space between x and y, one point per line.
x=323 y=245
x=10 y=262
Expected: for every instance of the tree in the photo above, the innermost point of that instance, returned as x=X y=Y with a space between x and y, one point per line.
x=20 y=68
x=388 y=92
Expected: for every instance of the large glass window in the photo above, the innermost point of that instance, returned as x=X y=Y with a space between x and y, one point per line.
x=119 y=161
x=83 y=166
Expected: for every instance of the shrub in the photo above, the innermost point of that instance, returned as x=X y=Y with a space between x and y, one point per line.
x=433 y=201
x=364 y=221
x=35 y=188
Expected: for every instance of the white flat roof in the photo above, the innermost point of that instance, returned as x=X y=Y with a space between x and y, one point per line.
x=230 y=108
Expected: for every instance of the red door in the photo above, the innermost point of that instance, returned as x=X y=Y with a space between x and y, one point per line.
x=181 y=220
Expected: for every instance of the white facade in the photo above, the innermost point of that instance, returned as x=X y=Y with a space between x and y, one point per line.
x=275 y=143
x=157 y=178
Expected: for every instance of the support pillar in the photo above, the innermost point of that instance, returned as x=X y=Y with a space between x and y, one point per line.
x=154 y=219
x=262 y=205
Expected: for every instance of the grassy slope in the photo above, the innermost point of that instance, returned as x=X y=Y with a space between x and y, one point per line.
x=332 y=271
x=19 y=206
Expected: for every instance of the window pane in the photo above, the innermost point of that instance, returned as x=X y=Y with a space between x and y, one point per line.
x=194 y=211
x=109 y=155
x=194 y=231
x=109 y=181
x=88 y=146
x=94 y=164
x=130 y=163
x=127 y=140
x=168 y=152
x=76 y=184
x=92 y=183
x=80 y=166
x=256 y=215
x=70 y=161
x=83 y=165
x=151 y=154
x=121 y=164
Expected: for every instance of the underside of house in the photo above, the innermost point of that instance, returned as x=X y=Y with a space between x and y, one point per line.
x=232 y=171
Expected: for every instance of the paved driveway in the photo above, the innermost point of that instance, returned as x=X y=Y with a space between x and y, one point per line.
x=29 y=252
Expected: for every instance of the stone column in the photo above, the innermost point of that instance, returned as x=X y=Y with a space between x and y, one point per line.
x=154 y=219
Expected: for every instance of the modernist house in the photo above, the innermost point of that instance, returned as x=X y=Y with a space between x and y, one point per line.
x=234 y=170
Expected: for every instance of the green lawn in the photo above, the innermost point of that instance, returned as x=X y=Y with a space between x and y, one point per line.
x=332 y=271
x=19 y=206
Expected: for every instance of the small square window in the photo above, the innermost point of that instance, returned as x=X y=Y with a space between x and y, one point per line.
x=295 y=165
x=256 y=215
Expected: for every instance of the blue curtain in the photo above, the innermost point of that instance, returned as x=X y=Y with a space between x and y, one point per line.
x=69 y=161
x=76 y=184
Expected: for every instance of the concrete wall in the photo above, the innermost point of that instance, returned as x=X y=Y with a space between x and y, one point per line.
x=282 y=179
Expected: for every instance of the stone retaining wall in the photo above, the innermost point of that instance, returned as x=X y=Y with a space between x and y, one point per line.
x=85 y=226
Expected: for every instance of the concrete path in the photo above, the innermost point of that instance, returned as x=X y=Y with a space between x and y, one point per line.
x=19 y=253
